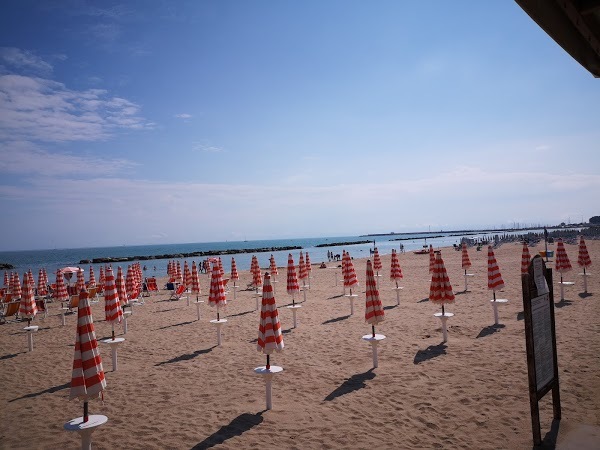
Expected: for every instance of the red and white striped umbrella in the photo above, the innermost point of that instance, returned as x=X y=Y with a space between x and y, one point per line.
x=466 y=262
x=583 y=259
x=80 y=281
x=256 y=275
x=42 y=286
x=101 y=279
x=6 y=280
x=350 y=279
x=27 y=306
x=273 y=266
x=216 y=296
x=374 y=313
x=178 y=274
x=92 y=280
x=377 y=266
x=440 y=290
x=45 y=277
x=130 y=280
x=308 y=265
x=302 y=273
x=563 y=264
x=495 y=281
x=344 y=264
x=187 y=275
x=61 y=294
x=87 y=379
x=270 y=338
x=30 y=278
x=525 y=259
x=16 y=286
x=234 y=272
x=221 y=267
x=170 y=270
x=292 y=280
x=431 y=259
x=112 y=307
x=195 y=280
x=395 y=270
x=121 y=288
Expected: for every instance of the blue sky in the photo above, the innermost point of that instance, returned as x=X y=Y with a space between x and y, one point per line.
x=145 y=122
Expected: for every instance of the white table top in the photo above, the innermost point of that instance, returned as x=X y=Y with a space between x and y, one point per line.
x=218 y=322
x=351 y=295
x=114 y=341
x=566 y=283
x=399 y=288
x=369 y=337
x=262 y=370
x=94 y=420
x=294 y=306
x=499 y=300
x=446 y=314
x=31 y=328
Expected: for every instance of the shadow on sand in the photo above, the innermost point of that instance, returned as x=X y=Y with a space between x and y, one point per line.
x=549 y=440
x=390 y=307
x=187 y=356
x=520 y=315
x=241 y=313
x=336 y=319
x=354 y=383
x=175 y=325
x=237 y=427
x=10 y=355
x=51 y=390
x=433 y=351
x=564 y=302
x=490 y=329
x=584 y=295
x=423 y=300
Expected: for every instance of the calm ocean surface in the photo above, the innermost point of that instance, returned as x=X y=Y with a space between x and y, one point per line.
x=55 y=259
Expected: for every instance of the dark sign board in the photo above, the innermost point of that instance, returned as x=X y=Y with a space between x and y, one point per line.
x=540 y=339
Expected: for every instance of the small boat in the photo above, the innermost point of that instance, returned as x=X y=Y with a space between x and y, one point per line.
x=421 y=252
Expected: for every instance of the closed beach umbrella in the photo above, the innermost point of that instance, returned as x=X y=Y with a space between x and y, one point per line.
x=45 y=277
x=178 y=274
x=377 y=266
x=16 y=286
x=6 y=281
x=80 y=280
x=234 y=272
x=466 y=262
x=87 y=379
x=42 y=288
x=195 y=280
x=30 y=278
x=270 y=338
x=302 y=273
x=27 y=306
x=495 y=281
x=256 y=275
x=374 y=313
x=273 y=266
x=583 y=258
x=187 y=275
x=308 y=265
x=525 y=259
x=216 y=296
x=350 y=279
x=112 y=307
x=92 y=278
x=440 y=290
x=292 y=280
x=101 y=279
x=395 y=270
x=61 y=294
x=121 y=287
x=563 y=265
x=130 y=280
x=431 y=259
x=221 y=267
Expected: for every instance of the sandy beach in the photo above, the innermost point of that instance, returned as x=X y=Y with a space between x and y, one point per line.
x=175 y=388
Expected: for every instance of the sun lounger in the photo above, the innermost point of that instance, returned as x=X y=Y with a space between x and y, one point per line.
x=11 y=309
x=72 y=304
x=42 y=306
x=151 y=285
x=178 y=294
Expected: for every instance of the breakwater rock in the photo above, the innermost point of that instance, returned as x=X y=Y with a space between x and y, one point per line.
x=338 y=244
x=187 y=255
x=6 y=266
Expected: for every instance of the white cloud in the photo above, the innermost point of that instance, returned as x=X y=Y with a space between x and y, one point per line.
x=39 y=109
x=183 y=116
x=204 y=147
x=24 y=60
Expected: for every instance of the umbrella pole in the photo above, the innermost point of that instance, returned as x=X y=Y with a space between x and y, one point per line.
x=494 y=294
x=268 y=362
x=85 y=412
x=373 y=330
x=218 y=318
x=113 y=331
x=293 y=300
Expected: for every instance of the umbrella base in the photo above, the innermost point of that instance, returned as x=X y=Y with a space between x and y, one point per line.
x=30 y=330
x=444 y=318
x=198 y=307
x=126 y=315
x=467 y=275
x=85 y=429
x=258 y=297
x=267 y=374
x=398 y=289
x=218 y=324
x=562 y=288
x=374 y=341
x=495 y=304
x=351 y=297
x=114 y=343
x=294 y=309
x=62 y=316
x=585 y=276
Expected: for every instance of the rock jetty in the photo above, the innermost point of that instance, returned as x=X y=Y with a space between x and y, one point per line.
x=338 y=244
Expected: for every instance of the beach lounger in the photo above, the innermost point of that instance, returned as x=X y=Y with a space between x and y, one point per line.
x=42 y=306
x=178 y=294
x=11 y=309
x=73 y=303
x=151 y=285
